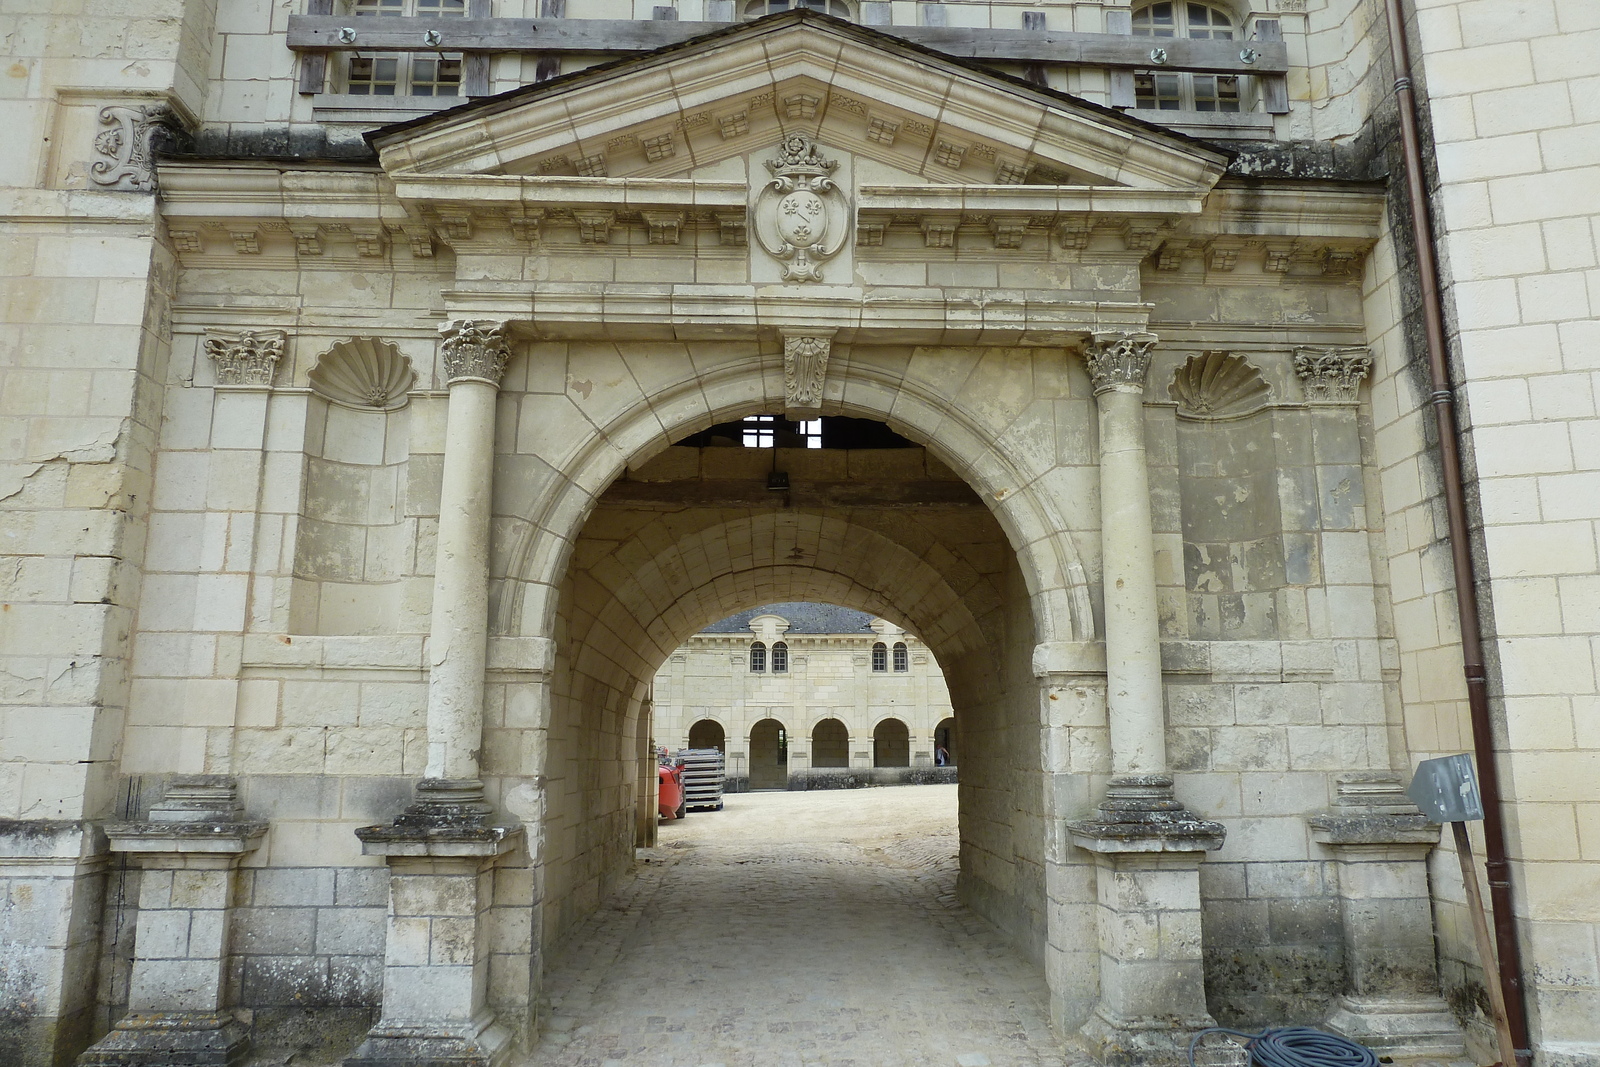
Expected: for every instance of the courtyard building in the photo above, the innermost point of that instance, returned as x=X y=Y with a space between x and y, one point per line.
x=390 y=389
x=808 y=696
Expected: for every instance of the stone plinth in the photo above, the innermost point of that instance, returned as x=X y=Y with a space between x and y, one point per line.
x=1148 y=848
x=189 y=849
x=1380 y=843
x=441 y=852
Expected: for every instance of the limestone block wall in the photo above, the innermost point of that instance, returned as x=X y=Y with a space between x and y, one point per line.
x=1510 y=99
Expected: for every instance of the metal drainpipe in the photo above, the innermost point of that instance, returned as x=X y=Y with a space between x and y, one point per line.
x=1443 y=399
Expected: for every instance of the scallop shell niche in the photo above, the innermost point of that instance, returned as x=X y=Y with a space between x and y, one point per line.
x=1218 y=385
x=364 y=373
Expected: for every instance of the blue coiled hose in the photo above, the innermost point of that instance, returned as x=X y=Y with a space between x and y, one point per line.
x=1295 y=1046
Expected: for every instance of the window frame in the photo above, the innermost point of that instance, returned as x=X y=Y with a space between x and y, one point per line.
x=880 y=658
x=779 y=657
x=1186 y=91
x=902 y=657
x=839 y=9
x=405 y=84
x=758 y=657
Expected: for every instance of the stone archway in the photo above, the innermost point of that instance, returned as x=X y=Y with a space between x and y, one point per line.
x=708 y=733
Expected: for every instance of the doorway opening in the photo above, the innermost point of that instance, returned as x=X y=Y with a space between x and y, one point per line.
x=891 y=744
x=769 y=755
x=708 y=733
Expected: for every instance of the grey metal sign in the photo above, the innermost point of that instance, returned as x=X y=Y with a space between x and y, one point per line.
x=1446 y=789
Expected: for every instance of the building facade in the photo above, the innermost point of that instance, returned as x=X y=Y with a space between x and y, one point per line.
x=361 y=363
x=807 y=696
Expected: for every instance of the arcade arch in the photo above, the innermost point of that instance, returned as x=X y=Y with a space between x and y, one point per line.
x=708 y=733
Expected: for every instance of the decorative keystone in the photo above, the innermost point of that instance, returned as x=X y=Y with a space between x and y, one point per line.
x=805 y=367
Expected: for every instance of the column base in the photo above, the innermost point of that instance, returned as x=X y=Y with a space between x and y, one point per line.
x=165 y=1038
x=1399 y=1028
x=433 y=1045
x=1158 y=1043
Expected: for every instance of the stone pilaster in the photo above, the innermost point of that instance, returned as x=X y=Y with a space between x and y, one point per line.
x=189 y=851
x=1332 y=375
x=1380 y=843
x=442 y=852
x=475 y=355
x=1148 y=848
x=1118 y=363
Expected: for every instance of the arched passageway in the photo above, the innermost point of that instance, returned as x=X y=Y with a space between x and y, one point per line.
x=695 y=534
x=830 y=744
x=891 y=744
x=707 y=733
x=944 y=743
x=769 y=755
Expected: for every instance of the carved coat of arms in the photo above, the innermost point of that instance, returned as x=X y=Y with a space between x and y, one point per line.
x=801 y=216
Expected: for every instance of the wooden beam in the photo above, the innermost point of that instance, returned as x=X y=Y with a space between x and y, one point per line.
x=320 y=33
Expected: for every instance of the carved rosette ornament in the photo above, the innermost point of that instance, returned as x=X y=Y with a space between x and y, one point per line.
x=1332 y=375
x=801 y=216
x=475 y=350
x=1118 y=362
x=247 y=358
x=805 y=367
x=125 y=160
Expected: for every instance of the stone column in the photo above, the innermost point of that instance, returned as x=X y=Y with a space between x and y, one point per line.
x=189 y=850
x=1148 y=849
x=475 y=355
x=1380 y=843
x=1118 y=363
x=442 y=852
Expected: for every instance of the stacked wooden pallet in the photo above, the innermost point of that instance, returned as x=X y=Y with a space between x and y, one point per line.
x=702 y=778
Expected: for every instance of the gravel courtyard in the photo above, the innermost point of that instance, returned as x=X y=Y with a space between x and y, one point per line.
x=797 y=928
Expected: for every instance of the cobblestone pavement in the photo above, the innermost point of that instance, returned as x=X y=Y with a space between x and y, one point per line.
x=798 y=929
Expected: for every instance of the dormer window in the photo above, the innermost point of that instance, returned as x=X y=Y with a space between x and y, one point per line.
x=756 y=8
x=1175 y=91
x=405 y=74
x=758 y=658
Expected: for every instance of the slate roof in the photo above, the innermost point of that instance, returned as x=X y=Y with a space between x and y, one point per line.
x=804 y=618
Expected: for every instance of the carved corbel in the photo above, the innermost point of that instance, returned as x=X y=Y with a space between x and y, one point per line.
x=1332 y=375
x=1074 y=233
x=370 y=240
x=124 y=150
x=594 y=227
x=664 y=226
x=246 y=358
x=805 y=368
x=474 y=350
x=307 y=239
x=525 y=225
x=1008 y=230
x=938 y=231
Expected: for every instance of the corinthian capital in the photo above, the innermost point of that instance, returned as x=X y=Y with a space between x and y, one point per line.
x=474 y=350
x=246 y=358
x=1118 y=361
x=1332 y=375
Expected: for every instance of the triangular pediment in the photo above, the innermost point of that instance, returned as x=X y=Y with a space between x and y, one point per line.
x=692 y=110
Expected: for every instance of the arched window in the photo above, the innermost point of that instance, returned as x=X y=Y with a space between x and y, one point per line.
x=756 y=8
x=902 y=662
x=1185 y=92
x=758 y=657
x=780 y=657
x=880 y=657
